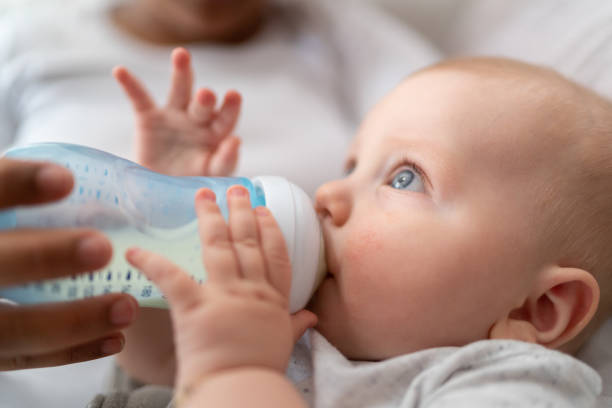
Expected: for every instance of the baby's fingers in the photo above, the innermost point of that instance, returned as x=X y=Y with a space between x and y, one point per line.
x=136 y=92
x=182 y=79
x=224 y=159
x=217 y=250
x=228 y=114
x=244 y=234
x=180 y=290
x=301 y=321
x=274 y=250
x=202 y=107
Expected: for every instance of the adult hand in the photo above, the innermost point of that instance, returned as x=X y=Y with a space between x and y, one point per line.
x=59 y=333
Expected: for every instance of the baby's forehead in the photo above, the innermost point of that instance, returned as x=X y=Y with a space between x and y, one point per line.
x=500 y=120
x=475 y=111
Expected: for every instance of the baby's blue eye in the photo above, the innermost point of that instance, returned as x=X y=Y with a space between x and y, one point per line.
x=407 y=179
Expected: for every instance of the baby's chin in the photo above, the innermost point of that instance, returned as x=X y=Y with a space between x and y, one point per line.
x=350 y=335
x=333 y=323
x=315 y=304
x=322 y=303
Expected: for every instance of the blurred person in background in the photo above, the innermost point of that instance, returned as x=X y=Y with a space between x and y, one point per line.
x=307 y=71
x=292 y=60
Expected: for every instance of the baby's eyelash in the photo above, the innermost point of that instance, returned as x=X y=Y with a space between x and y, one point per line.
x=405 y=161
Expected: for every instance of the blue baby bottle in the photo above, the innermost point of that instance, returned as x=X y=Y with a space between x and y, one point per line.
x=135 y=206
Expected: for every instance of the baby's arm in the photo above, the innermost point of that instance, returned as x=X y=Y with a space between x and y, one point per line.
x=187 y=136
x=233 y=334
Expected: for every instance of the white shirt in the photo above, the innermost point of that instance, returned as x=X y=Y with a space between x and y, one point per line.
x=488 y=374
x=307 y=79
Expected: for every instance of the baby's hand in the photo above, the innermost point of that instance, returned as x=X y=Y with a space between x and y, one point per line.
x=240 y=317
x=187 y=137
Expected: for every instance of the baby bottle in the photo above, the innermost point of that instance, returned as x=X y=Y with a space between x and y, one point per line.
x=135 y=206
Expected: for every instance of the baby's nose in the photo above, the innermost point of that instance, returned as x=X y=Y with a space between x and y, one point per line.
x=333 y=200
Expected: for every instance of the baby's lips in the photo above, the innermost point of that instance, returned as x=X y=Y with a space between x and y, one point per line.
x=331 y=262
x=325 y=249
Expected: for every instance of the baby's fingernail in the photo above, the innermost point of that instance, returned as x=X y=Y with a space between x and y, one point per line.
x=207 y=195
x=93 y=251
x=261 y=211
x=122 y=312
x=237 y=191
x=131 y=252
x=112 y=345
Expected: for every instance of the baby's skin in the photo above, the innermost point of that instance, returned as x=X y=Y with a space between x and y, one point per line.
x=238 y=323
x=443 y=232
x=188 y=136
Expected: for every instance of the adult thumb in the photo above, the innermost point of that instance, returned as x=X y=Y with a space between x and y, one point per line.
x=302 y=320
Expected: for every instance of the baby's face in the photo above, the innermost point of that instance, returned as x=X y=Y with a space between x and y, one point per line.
x=433 y=235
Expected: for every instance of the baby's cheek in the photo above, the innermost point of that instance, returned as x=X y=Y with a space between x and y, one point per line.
x=362 y=246
x=363 y=260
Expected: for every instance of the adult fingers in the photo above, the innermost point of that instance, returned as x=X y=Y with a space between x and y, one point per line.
x=202 y=107
x=227 y=117
x=136 y=92
x=182 y=79
x=274 y=250
x=224 y=159
x=28 y=182
x=244 y=234
x=217 y=250
x=300 y=321
x=83 y=352
x=181 y=291
x=27 y=255
x=40 y=329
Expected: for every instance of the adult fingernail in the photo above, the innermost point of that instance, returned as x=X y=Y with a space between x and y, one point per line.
x=122 y=312
x=93 y=251
x=53 y=179
x=112 y=345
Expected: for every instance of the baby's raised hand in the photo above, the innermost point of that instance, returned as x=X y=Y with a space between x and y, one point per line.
x=188 y=136
x=240 y=317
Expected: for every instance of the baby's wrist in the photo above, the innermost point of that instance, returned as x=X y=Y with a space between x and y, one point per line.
x=188 y=393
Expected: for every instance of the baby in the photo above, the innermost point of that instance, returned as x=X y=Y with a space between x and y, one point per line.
x=467 y=245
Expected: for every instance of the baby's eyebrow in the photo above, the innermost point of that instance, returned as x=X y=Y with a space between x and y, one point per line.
x=351 y=156
x=349 y=163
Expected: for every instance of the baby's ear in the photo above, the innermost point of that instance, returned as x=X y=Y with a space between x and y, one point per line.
x=562 y=302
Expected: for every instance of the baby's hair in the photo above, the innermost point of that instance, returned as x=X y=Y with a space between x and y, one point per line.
x=576 y=207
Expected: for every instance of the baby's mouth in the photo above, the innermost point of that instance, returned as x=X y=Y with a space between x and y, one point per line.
x=330 y=260
x=330 y=270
